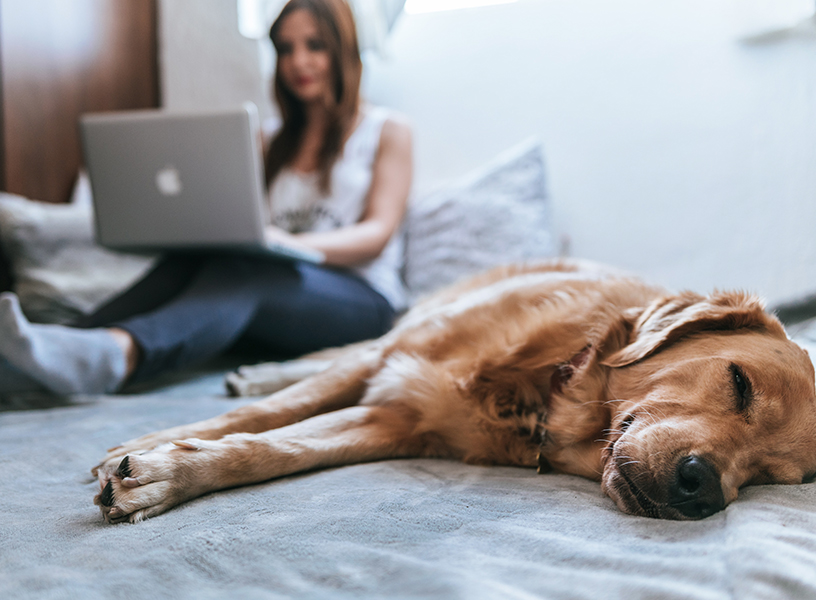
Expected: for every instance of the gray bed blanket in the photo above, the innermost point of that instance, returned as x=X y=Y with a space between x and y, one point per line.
x=393 y=529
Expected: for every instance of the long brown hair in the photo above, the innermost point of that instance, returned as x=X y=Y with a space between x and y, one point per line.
x=335 y=22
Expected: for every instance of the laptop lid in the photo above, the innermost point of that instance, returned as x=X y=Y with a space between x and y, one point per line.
x=165 y=180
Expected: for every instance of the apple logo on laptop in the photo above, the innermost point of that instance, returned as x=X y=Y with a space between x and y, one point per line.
x=168 y=180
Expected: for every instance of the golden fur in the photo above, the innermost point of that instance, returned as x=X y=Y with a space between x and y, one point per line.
x=673 y=402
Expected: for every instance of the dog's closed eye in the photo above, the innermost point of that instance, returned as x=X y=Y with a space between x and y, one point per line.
x=742 y=388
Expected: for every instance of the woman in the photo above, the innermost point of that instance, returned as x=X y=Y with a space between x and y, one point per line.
x=338 y=173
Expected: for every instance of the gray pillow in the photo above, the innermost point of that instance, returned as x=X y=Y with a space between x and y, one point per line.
x=495 y=215
x=59 y=271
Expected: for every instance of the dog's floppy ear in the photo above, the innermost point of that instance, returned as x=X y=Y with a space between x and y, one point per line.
x=669 y=318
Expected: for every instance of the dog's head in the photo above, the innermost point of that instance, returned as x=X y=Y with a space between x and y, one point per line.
x=709 y=396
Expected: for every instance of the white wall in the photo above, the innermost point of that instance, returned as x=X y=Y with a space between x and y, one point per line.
x=205 y=62
x=673 y=149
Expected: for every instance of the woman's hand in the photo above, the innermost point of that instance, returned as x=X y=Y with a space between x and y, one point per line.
x=276 y=235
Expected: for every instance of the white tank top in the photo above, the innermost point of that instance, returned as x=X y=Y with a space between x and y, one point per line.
x=297 y=204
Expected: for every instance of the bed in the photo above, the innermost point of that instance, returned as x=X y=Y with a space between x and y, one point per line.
x=391 y=529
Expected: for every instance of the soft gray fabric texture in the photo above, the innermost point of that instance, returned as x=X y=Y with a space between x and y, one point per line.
x=59 y=272
x=493 y=216
x=395 y=529
x=12 y=379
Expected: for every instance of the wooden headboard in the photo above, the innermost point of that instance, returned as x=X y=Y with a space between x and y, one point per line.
x=59 y=59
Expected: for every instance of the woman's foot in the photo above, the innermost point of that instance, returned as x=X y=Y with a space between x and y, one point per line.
x=64 y=359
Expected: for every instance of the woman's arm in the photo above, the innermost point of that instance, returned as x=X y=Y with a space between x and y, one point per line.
x=387 y=201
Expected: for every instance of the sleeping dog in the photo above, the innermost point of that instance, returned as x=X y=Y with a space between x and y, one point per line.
x=672 y=402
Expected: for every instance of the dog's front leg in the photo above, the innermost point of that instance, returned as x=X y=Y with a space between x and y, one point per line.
x=143 y=485
x=340 y=386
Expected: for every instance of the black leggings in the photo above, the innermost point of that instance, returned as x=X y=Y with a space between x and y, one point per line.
x=191 y=308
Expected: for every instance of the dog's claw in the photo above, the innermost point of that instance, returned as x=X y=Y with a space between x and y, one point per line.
x=124 y=468
x=543 y=465
x=106 y=497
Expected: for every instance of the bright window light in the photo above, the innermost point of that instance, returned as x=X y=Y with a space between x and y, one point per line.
x=250 y=18
x=414 y=7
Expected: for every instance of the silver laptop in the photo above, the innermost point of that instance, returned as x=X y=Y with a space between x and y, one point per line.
x=180 y=181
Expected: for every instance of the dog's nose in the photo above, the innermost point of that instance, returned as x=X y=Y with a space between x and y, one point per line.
x=696 y=491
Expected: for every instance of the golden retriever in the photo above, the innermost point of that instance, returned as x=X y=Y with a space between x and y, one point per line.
x=673 y=402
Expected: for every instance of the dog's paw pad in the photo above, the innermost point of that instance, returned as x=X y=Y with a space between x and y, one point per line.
x=133 y=482
x=187 y=444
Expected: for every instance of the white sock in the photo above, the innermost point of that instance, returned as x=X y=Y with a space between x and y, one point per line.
x=13 y=381
x=64 y=359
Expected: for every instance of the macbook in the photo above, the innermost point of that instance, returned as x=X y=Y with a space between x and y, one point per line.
x=166 y=180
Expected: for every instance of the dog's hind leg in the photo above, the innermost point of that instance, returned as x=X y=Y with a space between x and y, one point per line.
x=340 y=386
x=145 y=485
x=268 y=378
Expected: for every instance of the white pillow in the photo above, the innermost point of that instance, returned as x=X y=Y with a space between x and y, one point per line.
x=495 y=215
x=59 y=272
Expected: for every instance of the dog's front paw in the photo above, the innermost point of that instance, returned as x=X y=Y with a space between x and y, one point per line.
x=139 y=446
x=138 y=486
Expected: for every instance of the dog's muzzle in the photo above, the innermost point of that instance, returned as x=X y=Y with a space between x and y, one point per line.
x=691 y=490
